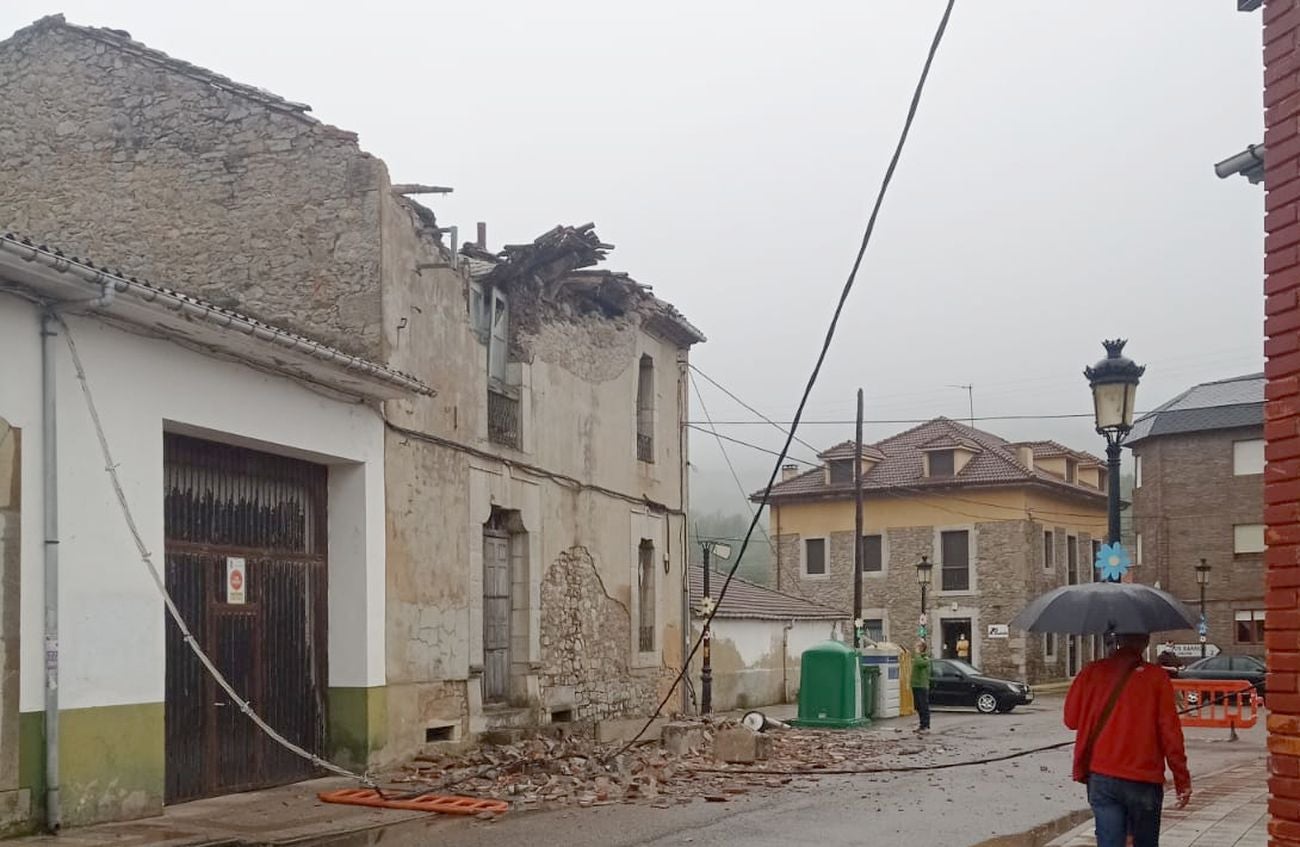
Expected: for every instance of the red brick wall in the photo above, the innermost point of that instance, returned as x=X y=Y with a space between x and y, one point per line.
x=1282 y=427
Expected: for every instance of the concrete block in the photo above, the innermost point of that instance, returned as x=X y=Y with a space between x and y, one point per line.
x=741 y=746
x=681 y=737
x=622 y=730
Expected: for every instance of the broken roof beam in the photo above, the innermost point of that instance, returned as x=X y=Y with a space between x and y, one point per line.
x=403 y=188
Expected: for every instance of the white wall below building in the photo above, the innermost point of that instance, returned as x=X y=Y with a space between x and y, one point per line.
x=757 y=662
x=111 y=615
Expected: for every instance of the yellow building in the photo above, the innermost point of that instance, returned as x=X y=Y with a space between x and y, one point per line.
x=1000 y=521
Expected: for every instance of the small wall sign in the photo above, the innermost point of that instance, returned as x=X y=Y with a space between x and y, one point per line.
x=236 y=581
x=999 y=630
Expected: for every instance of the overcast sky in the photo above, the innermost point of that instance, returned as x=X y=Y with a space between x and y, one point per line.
x=1057 y=188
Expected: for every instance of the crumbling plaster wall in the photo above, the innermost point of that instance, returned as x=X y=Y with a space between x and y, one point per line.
x=578 y=388
x=114 y=156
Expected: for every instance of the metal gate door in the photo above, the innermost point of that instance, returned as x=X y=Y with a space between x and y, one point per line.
x=225 y=503
x=496 y=616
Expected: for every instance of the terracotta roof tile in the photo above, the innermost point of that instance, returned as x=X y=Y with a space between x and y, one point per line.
x=751 y=601
x=994 y=463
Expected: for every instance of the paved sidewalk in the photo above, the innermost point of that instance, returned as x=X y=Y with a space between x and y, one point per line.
x=1228 y=809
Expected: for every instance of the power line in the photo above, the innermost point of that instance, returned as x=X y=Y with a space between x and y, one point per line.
x=1048 y=417
x=821 y=358
x=719 y=386
x=749 y=444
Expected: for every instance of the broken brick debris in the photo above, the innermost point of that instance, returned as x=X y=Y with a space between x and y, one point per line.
x=575 y=770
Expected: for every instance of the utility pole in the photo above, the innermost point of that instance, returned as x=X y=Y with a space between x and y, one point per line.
x=857 y=530
x=706 y=666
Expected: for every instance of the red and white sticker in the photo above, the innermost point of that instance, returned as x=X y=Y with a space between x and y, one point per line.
x=236 y=580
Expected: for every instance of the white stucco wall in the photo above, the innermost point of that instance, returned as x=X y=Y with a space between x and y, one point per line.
x=111 y=615
x=749 y=669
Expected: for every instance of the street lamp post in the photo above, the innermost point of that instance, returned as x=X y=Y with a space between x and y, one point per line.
x=723 y=551
x=1114 y=382
x=924 y=573
x=1202 y=580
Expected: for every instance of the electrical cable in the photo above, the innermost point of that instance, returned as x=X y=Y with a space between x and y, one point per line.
x=748 y=407
x=900 y=421
x=821 y=357
x=749 y=444
x=147 y=558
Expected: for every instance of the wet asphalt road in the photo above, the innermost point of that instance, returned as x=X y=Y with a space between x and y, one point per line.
x=945 y=808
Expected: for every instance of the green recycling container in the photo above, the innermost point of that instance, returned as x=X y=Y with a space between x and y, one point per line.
x=830 y=687
x=870 y=685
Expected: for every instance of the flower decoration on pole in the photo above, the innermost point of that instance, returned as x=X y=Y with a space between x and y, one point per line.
x=1112 y=561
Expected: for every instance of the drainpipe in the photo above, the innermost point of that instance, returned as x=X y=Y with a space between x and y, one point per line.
x=785 y=652
x=683 y=462
x=50 y=456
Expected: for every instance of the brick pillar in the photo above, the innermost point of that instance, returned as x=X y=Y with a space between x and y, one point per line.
x=1282 y=415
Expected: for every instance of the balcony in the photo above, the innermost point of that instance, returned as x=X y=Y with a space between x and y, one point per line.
x=503 y=419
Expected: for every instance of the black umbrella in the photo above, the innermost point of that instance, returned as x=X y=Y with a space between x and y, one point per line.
x=1100 y=607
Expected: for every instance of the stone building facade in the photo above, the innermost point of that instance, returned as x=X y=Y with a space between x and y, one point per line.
x=1018 y=527
x=536 y=500
x=1200 y=495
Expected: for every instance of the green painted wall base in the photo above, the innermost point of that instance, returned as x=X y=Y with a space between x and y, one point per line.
x=358 y=724
x=111 y=761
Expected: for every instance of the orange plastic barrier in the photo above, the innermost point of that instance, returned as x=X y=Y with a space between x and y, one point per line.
x=441 y=803
x=1227 y=703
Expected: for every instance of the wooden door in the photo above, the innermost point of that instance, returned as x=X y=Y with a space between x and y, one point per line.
x=225 y=504
x=496 y=616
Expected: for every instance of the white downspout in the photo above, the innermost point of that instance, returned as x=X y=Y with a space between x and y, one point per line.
x=50 y=490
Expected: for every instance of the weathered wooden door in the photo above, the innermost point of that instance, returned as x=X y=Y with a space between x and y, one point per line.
x=225 y=506
x=496 y=616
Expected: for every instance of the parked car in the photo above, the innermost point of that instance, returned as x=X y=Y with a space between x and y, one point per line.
x=955 y=683
x=1246 y=668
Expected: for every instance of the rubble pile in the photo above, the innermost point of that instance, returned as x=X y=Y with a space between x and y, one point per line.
x=543 y=771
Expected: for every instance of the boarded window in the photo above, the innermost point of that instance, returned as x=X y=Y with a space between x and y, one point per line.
x=941 y=463
x=814 y=557
x=873 y=560
x=842 y=472
x=1049 y=646
x=1248 y=457
x=1071 y=470
x=1049 y=550
x=1248 y=538
x=645 y=410
x=955 y=551
x=1250 y=626
x=646 y=593
x=1071 y=560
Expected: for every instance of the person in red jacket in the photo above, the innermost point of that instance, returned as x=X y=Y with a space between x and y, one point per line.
x=1124 y=766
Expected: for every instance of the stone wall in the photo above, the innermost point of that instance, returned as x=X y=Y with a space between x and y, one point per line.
x=114 y=153
x=1008 y=572
x=585 y=645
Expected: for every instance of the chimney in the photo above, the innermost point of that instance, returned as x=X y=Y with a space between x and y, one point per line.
x=1025 y=454
x=482 y=234
x=790 y=472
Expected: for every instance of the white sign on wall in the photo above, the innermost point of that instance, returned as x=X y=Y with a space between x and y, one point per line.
x=236 y=580
x=1191 y=651
x=999 y=630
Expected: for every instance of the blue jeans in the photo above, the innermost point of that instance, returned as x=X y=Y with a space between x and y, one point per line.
x=921 y=699
x=1122 y=806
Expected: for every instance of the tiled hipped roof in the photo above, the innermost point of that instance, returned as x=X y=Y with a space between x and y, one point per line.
x=995 y=462
x=750 y=601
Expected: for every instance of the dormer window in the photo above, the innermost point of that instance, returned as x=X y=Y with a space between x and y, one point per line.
x=841 y=471
x=942 y=463
x=1071 y=471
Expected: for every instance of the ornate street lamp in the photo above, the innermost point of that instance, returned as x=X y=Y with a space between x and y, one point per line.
x=1202 y=580
x=1114 y=382
x=924 y=573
